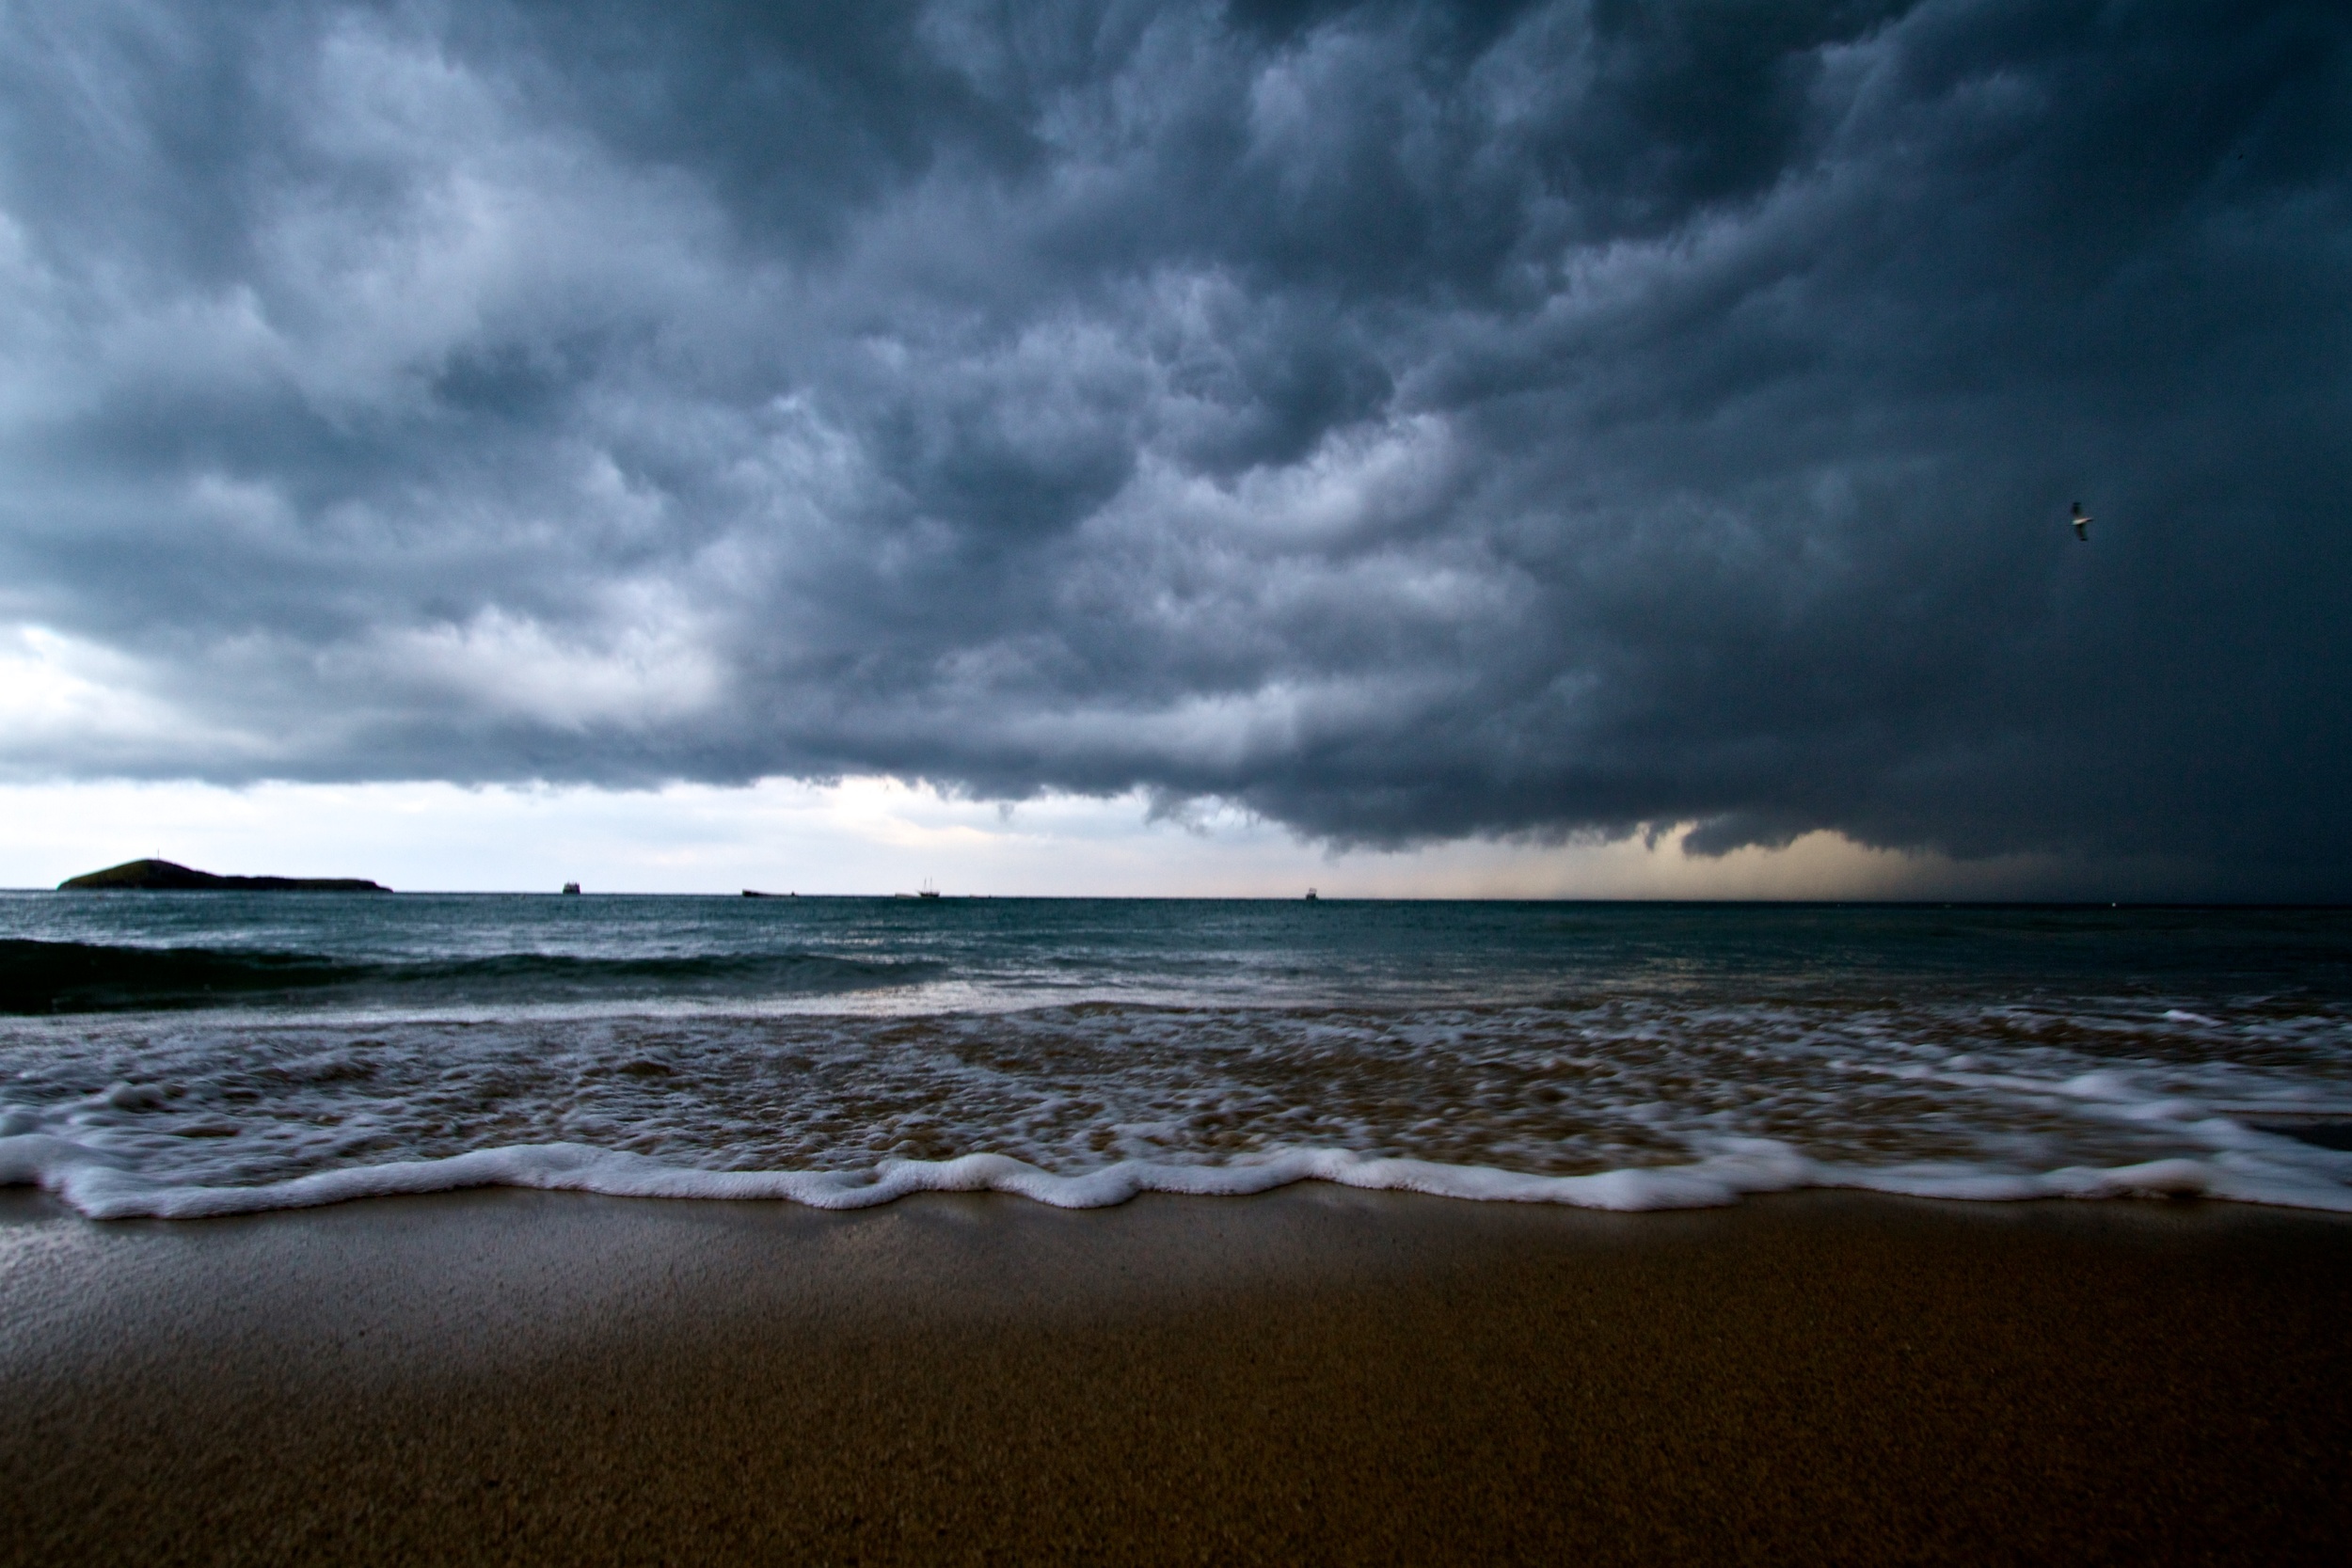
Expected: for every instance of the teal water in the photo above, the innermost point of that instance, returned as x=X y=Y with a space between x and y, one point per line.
x=180 y=1053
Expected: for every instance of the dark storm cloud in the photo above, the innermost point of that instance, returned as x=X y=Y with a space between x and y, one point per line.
x=1404 y=421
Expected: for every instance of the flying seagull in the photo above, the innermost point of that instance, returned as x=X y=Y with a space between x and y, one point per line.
x=2082 y=523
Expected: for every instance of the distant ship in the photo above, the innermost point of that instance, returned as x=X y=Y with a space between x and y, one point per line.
x=1313 y=897
x=928 y=891
x=571 y=887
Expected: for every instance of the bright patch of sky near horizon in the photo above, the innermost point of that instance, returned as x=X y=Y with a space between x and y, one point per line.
x=874 y=836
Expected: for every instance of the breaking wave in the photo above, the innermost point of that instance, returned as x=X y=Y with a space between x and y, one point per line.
x=39 y=977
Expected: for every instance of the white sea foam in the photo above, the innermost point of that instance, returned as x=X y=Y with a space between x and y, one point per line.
x=98 y=1184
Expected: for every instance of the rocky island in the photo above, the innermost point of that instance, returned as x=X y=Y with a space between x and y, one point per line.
x=151 y=876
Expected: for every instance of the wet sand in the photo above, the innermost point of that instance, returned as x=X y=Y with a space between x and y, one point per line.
x=1315 y=1374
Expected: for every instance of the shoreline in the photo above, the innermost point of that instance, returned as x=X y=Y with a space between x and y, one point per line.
x=93 y=1184
x=1316 y=1373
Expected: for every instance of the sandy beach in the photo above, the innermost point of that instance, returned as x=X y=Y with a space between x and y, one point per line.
x=1315 y=1374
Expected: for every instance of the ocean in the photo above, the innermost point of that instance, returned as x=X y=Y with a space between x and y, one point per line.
x=185 y=1055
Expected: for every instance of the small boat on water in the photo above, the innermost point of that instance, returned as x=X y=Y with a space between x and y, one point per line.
x=572 y=888
x=1313 y=897
x=755 y=892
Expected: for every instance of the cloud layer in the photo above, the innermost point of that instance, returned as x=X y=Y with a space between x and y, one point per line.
x=1402 y=421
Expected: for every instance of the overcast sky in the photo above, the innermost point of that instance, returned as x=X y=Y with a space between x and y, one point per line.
x=1435 y=435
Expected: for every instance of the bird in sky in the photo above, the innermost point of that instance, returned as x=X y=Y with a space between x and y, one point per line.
x=2082 y=523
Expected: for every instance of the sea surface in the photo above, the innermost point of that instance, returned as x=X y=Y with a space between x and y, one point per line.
x=183 y=1054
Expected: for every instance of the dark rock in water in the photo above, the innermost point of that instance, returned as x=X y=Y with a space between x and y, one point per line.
x=164 y=877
